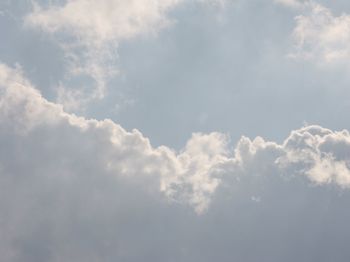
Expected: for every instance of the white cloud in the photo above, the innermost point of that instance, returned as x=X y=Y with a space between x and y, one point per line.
x=102 y=21
x=70 y=186
x=190 y=176
x=319 y=154
x=321 y=36
x=24 y=110
x=95 y=28
x=89 y=33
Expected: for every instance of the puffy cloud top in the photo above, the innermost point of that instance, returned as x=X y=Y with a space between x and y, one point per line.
x=70 y=185
x=321 y=36
x=189 y=176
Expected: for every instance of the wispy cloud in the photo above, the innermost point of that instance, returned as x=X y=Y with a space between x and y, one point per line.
x=90 y=32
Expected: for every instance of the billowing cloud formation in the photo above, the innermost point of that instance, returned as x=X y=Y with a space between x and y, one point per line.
x=322 y=37
x=49 y=156
x=190 y=176
x=25 y=112
x=71 y=186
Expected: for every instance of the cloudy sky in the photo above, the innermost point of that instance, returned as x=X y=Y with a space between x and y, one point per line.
x=174 y=130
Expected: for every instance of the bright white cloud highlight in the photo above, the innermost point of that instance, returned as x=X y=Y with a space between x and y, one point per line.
x=321 y=36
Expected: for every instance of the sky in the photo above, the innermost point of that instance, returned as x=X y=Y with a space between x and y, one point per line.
x=174 y=130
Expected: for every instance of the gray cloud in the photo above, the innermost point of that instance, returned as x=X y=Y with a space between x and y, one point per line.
x=75 y=189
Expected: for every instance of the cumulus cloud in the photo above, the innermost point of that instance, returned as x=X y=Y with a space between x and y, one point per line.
x=321 y=36
x=189 y=176
x=25 y=111
x=70 y=185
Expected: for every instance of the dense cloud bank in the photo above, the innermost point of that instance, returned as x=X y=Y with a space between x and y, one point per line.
x=75 y=189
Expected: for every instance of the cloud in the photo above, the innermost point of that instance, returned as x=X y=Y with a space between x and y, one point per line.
x=90 y=32
x=320 y=154
x=189 y=176
x=322 y=37
x=102 y=21
x=78 y=189
x=293 y=3
x=25 y=112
